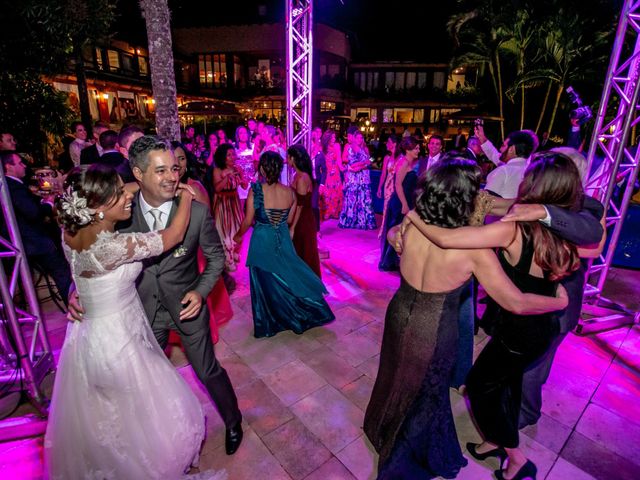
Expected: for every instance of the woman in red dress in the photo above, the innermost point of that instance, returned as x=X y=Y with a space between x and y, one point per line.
x=331 y=194
x=303 y=227
x=220 y=309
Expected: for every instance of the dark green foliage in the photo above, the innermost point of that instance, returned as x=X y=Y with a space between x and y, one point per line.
x=41 y=37
x=528 y=51
x=32 y=110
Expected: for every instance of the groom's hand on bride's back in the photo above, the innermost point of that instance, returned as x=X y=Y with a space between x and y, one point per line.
x=74 y=308
x=191 y=305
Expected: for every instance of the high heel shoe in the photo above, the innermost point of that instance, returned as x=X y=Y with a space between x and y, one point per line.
x=496 y=452
x=528 y=470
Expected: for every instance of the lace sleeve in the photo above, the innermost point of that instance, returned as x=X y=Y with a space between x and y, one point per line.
x=120 y=248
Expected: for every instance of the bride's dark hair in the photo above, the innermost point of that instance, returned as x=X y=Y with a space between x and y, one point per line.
x=446 y=193
x=97 y=184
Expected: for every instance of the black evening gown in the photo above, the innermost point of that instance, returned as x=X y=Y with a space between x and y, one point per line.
x=494 y=384
x=409 y=419
x=389 y=260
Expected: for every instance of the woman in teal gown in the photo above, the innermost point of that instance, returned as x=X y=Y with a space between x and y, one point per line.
x=285 y=293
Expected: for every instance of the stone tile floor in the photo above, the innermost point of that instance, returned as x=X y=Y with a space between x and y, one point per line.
x=303 y=397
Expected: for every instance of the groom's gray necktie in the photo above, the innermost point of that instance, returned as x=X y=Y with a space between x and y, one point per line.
x=157 y=219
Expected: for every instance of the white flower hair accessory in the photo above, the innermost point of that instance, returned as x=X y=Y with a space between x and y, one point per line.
x=76 y=206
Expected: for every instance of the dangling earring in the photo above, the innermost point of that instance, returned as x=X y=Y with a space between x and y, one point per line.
x=100 y=215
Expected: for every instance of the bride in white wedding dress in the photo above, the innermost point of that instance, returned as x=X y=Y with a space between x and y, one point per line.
x=120 y=410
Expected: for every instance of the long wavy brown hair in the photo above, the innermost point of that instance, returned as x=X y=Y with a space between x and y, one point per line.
x=551 y=179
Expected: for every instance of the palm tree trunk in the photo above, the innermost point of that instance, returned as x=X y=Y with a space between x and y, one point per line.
x=163 y=80
x=544 y=106
x=520 y=72
x=555 y=106
x=83 y=91
x=500 y=93
x=492 y=72
x=522 y=109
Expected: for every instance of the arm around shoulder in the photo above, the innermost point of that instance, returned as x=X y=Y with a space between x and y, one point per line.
x=498 y=234
x=491 y=276
x=582 y=227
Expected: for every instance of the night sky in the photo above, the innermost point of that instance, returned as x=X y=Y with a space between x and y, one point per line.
x=416 y=31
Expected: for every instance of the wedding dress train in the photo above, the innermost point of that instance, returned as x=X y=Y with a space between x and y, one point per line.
x=120 y=410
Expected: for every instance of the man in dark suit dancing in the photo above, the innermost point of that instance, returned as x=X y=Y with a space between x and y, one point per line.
x=171 y=288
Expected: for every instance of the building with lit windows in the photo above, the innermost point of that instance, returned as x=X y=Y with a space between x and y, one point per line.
x=227 y=73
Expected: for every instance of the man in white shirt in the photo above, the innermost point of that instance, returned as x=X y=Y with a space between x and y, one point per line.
x=512 y=160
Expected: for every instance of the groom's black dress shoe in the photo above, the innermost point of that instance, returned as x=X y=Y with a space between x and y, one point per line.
x=233 y=438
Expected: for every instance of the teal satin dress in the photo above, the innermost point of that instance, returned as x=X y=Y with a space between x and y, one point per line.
x=285 y=293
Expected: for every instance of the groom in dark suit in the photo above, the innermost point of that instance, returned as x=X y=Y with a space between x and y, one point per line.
x=172 y=290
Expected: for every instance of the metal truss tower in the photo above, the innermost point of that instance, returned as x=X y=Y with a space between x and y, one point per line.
x=299 y=27
x=25 y=353
x=612 y=140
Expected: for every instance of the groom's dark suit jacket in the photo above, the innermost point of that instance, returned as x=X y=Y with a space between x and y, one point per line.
x=166 y=278
x=581 y=228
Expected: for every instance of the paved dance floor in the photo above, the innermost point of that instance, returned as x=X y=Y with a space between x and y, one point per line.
x=303 y=396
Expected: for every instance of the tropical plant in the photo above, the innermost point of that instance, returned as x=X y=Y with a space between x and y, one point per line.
x=33 y=111
x=481 y=34
x=568 y=53
x=38 y=39
x=521 y=35
x=527 y=45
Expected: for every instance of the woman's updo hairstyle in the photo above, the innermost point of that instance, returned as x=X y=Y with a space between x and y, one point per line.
x=446 y=194
x=270 y=166
x=86 y=188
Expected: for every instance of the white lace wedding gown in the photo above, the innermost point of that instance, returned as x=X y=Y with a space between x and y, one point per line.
x=120 y=410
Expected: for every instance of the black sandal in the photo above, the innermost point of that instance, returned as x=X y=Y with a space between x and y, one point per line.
x=528 y=470
x=498 y=452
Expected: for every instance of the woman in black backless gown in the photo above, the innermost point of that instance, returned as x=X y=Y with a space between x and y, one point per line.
x=534 y=259
x=409 y=419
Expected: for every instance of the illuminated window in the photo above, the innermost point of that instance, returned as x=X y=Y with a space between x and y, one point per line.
x=143 y=65
x=99 y=59
x=327 y=106
x=403 y=115
x=212 y=70
x=114 y=60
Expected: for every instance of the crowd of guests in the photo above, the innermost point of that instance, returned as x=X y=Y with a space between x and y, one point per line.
x=433 y=232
